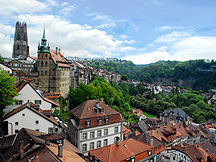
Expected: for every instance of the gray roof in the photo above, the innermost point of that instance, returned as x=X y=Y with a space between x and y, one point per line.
x=178 y=112
x=142 y=125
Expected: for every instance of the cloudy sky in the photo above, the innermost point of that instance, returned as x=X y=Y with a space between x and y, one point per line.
x=143 y=31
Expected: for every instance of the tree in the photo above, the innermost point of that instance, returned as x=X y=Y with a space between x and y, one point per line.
x=124 y=77
x=7 y=91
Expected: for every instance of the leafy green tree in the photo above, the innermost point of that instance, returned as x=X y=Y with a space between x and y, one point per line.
x=124 y=77
x=7 y=91
x=79 y=95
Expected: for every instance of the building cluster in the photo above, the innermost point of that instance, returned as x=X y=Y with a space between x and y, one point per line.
x=50 y=70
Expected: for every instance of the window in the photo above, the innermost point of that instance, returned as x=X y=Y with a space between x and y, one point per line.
x=88 y=123
x=16 y=123
x=18 y=46
x=105 y=132
x=156 y=148
x=91 y=145
x=46 y=62
x=20 y=102
x=37 y=130
x=116 y=139
x=38 y=102
x=84 y=136
x=105 y=142
x=45 y=72
x=98 y=144
x=91 y=135
x=16 y=130
x=127 y=160
x=149 y=152
x=98 y=133
x=23 y=114
x=41 y=63
x=50 y=130
x=159 y=147
x=36 y=122
x=91 y=157
x=41 y=73
x=84 y=147
x=99 y=121
x=116 y=130
x=133 y=159
x=106 y=120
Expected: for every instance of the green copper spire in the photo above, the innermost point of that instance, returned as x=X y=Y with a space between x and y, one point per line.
x=44 y=37
x=43 y=47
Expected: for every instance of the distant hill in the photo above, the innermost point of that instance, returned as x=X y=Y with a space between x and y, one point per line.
x=121 y=67
x=196 y=74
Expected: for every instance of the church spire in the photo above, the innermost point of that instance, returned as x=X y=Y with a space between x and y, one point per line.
x=43 y=47
x=44 y=37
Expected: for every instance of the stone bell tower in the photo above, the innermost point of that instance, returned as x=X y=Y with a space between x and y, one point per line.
x=20 y=47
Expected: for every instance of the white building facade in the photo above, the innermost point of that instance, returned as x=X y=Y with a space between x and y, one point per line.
x=28 y=94
x=27 y=117
x=101 y=128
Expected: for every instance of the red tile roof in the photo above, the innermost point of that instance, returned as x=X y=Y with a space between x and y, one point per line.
x=86 y=110
x=126 y=149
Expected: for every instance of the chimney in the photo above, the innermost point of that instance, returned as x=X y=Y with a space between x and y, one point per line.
x=60 y=150
x=56 y=50
x=21 y=145
x=117 y=141
x=151 y=142
x=59 y=50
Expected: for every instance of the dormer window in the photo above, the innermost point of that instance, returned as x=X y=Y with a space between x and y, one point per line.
x=87 y=123
x=106 y=119
x=149 y=152
x=100 y=121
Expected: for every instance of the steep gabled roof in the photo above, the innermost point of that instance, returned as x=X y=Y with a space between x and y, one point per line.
x=20 y=85
x=29 y=106
x=86 y=110
x=126 y=149
x=42 y=151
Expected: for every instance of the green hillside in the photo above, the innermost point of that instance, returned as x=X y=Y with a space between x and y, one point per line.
x=196 y=74
x=122 y=67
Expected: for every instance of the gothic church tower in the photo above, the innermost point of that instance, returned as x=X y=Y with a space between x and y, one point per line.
x=20 y=47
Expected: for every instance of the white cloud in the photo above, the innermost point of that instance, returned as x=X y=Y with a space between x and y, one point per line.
x=130 y=41
x=67 y=10
x=106 y=25
x=164 y=28
x=73 y=39
x=6 y=45
x=10 y=7
x=146 y=58
x=52 y=2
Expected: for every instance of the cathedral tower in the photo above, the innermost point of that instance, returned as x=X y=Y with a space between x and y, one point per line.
x=20 y=47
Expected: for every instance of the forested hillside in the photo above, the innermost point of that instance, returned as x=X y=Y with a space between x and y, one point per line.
x=123 y=68
x=196 y=74
x=123 y=97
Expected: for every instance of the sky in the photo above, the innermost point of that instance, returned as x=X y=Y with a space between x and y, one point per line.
x=143 y=31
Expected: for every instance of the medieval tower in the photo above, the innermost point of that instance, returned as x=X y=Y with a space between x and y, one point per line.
x=20 y=47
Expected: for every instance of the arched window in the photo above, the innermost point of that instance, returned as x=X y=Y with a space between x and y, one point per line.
x=46 y=63
x=17 y=47
x=41 y=63
x=46 y=55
